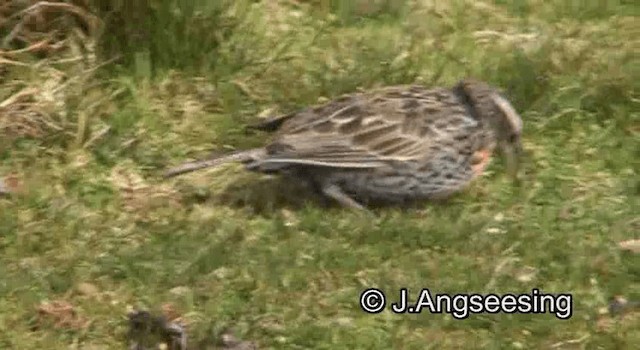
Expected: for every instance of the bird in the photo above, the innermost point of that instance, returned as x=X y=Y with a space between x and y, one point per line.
x=394 y=144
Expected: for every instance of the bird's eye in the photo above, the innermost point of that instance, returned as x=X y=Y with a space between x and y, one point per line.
x=513 y=137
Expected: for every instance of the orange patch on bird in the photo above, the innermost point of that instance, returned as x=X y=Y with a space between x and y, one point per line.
x=480 y=161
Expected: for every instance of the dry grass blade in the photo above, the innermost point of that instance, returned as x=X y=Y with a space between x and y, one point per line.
x=15 y=63
x=29 y=17
x=4 y=190
x=18 y=97
x=35 y=47
x=20 y=115
x=632 y=245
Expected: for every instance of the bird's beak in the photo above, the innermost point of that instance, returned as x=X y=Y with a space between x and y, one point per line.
x=512 y=154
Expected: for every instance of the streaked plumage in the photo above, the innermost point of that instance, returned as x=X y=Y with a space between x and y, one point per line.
x=395 y=144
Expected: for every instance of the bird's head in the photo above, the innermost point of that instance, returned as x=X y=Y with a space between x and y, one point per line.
x=493 y=109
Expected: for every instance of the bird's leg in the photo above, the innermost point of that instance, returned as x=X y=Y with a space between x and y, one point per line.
x=317 y=190
x=336 y=193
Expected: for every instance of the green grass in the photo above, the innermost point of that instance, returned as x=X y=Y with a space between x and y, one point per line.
x=229 y=248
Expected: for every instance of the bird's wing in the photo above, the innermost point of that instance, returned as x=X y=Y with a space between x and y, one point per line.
x=368 y=130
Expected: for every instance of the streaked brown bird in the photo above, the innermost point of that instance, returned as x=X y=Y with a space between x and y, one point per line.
x=392 y=145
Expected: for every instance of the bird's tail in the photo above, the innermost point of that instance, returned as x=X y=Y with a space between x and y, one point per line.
x=240 y=156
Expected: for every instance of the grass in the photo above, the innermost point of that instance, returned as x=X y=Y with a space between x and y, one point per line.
x=93 y=224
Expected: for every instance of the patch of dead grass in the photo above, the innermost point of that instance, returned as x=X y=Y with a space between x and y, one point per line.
x=48 y=80
x=139 y=197
x=62 y=315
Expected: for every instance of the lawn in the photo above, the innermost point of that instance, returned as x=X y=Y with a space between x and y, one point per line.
x=92 y=230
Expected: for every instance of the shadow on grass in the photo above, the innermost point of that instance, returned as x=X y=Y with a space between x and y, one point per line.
x=265 y=196
x=262 y=196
